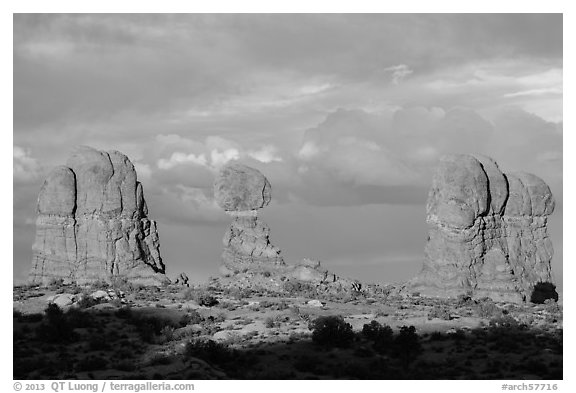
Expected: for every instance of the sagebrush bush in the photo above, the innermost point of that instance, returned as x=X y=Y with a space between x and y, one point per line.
x=440 y=313
x=331 y=331
x=543 y=291
x=209 y=351
x=296 y=288
x=191 y=318
x=200 y=296
x=486 y=308
x=270 y=322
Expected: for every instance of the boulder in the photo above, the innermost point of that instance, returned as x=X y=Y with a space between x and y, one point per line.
x=92 y=224
x=241 y=188
x=182 y=280
x=487 y=232
x=63 y=300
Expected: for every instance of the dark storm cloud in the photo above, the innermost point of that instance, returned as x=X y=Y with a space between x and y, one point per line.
x=77 y=66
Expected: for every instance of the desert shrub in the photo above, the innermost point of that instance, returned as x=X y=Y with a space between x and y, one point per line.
x=116 y=302
x=200 y=296
x=238 y=293
x=381 y=313
x=374 y=329
x=464 y=300
x=56 y=328
x=543 y=291
x=91 y=363
x=150 y=327
x=124 y=365
x=440 y=313
x=122 y=285
x=270 y=322
x=381 y=336
x=331 y=331
x=307 y=364
x=282 y=305
x=86 y=301
x=124 y=313
x=437 y=336
x=486 y=308
x=191 y=318
x=79 y=319
x=29 y=318
x=98 y=342
x=167 y=333
x=24 y=366
x=55 y=284
x=407 y=343
x=209 y=351
x=503 y=321
x=160 y=359
x=296 y=288
x=220 y=317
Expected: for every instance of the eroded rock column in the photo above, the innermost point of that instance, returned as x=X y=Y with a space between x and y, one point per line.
x=241 y=191
x=487 y=232
x=92 y=223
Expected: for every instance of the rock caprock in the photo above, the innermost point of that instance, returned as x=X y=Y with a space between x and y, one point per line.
x=93 y=224
x=487 y=232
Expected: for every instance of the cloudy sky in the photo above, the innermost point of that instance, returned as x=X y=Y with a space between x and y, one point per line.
x=345 y=114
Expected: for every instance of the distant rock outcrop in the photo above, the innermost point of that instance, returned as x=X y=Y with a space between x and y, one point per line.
x=92 y=223
x=241 y=191
x=487 y=232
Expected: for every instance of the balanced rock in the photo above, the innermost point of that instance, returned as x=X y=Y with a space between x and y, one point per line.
x=241 y=188
x=487 y=232
x=241 y=191
x=92 y=224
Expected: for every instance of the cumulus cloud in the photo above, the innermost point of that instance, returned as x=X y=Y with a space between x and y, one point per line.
x=25 y=167
x=358 y=149
x=178 y=158
x=212 y=153
x=266 y=154
x=399 y=72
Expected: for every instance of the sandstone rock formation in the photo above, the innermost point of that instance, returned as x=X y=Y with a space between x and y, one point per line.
x=487 y=231
x=182 y=280
x=249 y=260
x=241 y=191
x=92 y=223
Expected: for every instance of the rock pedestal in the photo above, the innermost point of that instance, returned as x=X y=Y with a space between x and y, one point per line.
x=241 y=191
x=92 y=224
x=487 y=232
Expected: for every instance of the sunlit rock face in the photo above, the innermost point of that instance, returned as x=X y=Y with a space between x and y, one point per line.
x=241 y=190
x=92 y=224
x=487 y=232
